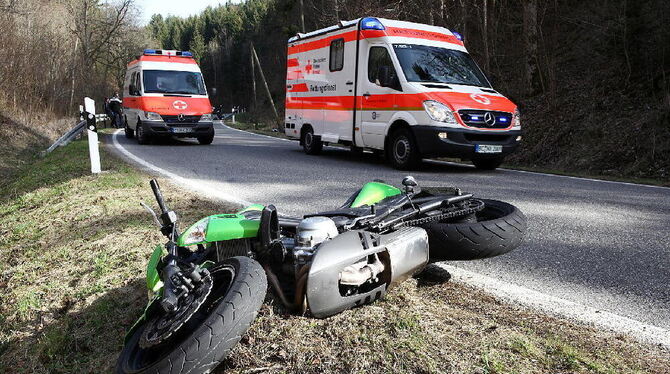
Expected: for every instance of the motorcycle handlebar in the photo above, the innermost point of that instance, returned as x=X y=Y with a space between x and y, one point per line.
x=158 y=195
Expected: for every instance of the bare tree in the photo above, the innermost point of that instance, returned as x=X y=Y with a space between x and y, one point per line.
x=530 y=46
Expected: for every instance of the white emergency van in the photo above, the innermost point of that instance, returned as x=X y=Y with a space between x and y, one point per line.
x=408 y=89
x=164 y=95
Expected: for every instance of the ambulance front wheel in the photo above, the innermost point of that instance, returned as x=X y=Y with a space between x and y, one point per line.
x=141 y=134
x=311 y=143
x=207 y=139
x=402 y=151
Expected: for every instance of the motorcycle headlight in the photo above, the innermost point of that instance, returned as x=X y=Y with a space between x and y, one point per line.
x=196 y=233
x=516 y=120
x=206 y=118
x=151 y=116
x=439 y=112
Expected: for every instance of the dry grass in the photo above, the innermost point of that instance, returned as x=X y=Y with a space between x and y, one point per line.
x=72 y=263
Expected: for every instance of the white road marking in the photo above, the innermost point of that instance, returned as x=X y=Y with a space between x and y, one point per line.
x=507 y=291
x=187 y=183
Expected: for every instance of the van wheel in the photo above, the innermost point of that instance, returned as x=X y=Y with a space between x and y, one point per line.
x=311 y=143
x=129 y=132
x=142 y=136
x=487 y=164
x=207 y=139
x=402 y=150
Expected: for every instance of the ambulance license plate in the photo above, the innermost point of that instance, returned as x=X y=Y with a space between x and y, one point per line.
x=488 y=148
x=180 y=130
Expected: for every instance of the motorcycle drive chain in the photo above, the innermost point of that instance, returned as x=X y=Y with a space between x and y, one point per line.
x=473 y=206
x=160 y=328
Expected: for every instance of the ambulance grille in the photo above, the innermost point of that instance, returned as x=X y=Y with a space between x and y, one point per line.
x=475 y=118
x=174 y=120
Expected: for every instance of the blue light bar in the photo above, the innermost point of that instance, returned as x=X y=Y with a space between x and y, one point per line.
x=474 y=118
x=458 y=35
x=186 y=54
x=371 y=23
x=152 y=51
x=502 y=119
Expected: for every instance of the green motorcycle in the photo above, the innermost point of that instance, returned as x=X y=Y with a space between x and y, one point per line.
x=207 y=284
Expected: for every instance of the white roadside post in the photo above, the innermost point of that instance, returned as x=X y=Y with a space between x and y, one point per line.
x=91 y=130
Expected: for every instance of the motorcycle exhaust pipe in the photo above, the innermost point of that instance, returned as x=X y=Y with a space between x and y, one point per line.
x=335 y=263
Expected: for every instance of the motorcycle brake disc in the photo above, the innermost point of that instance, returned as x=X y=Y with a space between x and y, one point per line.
x=160 y=328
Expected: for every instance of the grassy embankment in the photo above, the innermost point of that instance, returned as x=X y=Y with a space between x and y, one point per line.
x=73 y=249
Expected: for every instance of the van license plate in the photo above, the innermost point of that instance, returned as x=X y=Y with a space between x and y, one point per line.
x=180 y=130
x=487 y=148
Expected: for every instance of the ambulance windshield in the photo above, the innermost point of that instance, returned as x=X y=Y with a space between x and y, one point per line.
x=173 y=82
x=422 y=63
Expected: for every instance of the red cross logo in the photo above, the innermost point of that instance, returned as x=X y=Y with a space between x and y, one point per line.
x=180 y=105
x=308 y=67
x=480 y=99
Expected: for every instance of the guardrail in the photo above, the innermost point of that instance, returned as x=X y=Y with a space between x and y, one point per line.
x=73 y=132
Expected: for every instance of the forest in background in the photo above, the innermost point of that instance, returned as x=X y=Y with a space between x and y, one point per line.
x=591 y=78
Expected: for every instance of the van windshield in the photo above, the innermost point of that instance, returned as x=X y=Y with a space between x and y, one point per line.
x=173 y=82
x=422 y=63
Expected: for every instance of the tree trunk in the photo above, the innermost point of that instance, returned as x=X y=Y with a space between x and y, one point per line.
x=267 y=89
x=74 y=64
x=530 y=46
x=253 y=77
x=485 y=35
x=302 y=17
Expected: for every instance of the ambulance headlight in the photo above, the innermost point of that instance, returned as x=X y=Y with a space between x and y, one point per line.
x=151 y=116
x=439 y=112
x=516 y=120
x=206 y=118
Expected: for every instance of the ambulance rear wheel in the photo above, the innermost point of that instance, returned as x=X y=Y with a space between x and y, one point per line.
x=402 y=151
x=311 y=143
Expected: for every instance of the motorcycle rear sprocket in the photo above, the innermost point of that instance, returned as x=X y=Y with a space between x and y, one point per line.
x=161 y=327
x=473 y=206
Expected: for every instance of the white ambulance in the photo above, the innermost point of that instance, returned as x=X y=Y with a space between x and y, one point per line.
x=408 y=89
x=164 y=95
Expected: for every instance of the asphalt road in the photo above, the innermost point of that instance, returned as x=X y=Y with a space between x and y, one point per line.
x=601 y=244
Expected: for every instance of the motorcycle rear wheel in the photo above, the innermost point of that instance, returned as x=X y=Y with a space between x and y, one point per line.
x=199 y=346
x=498 y=229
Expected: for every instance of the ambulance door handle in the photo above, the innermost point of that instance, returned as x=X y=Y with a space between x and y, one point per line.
x=349 y=83
x=367 y=94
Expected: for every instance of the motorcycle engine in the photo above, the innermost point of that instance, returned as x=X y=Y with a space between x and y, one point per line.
x=310 y=233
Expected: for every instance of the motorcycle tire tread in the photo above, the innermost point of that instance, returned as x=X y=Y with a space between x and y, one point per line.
x=222 y=329
x=477 y=240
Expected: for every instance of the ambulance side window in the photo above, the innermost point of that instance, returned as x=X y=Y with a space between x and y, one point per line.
x=336 y=60
x=133 y=88
x=138 y=84
x=380 y=69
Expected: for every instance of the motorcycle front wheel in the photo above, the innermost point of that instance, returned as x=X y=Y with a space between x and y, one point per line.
x=206 y=339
